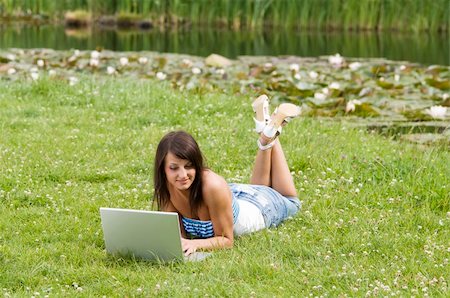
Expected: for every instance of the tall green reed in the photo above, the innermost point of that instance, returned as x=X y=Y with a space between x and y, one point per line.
x=402 y=15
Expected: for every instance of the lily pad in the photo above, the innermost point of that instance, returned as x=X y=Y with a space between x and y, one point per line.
x=439 y=84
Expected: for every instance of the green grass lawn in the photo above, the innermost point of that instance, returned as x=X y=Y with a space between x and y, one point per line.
x=375 y=218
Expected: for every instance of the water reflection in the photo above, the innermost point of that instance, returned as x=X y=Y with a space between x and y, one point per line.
x=422 y=48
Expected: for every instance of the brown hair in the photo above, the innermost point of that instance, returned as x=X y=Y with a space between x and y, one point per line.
x=182 y=145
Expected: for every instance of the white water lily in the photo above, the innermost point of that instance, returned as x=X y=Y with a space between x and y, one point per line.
x=110 y=70
x=336 y=60
x=335 y=85
x=40 y=63
x=12 y=71
x=320 y=96
x=73 y=81
x=437 y=112
x=354 y=66
x=161 y=76
x=143 y=60
x=123 y=61
x=94 y=62
x=268 y=65
x=196 y=70
x=95 y=54
x=294 y=67
x=351 y=105
x=365 y=91
x=313 y=75
x=11 y=57
x=187 y=63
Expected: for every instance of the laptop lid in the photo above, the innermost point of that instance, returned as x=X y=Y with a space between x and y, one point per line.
x=150 y=235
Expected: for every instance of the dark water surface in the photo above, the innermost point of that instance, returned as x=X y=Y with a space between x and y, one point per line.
x=422 y=48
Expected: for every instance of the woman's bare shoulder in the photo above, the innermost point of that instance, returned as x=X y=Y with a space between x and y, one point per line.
x=213 y=184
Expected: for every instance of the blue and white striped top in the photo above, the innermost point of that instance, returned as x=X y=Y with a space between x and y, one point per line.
x=204 y=228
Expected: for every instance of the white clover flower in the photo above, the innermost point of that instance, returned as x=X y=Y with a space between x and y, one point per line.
x=94 y=62
x=294 y=67
x=220 y=71
x=40 y=63
x=297 y=76
x=336 y=60
x=34 y=76
x=445 y=96
x=76 y=52
x=95 y=54
x=73 y=81
x=351 y=105
x=437 y=112
x=110 y=70
x=335 y=85
x=402 y=67
x=196 y=70
x=52 y=72
x=123 y=61
x=320 y=96
x=12 y=71
x=313 y=75
x=143 y=60
x=396 y=77
x=354 y=66
x=161 y=76
x=325 y=91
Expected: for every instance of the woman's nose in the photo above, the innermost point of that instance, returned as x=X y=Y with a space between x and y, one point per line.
x=183 y=172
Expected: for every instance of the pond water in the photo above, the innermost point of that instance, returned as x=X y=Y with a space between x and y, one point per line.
x=421 y=48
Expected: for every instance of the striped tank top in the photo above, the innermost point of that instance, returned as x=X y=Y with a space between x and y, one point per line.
x=204 y=228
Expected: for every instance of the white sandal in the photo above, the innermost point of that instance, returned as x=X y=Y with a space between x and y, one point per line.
x=262 y=115
x=282 y=115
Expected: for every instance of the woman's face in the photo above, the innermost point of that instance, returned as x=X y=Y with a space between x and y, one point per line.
x=180 y=173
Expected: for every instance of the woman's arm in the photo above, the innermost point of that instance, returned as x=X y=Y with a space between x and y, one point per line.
x=217 y=197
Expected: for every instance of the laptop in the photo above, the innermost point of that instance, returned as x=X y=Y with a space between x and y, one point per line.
x=147 y=235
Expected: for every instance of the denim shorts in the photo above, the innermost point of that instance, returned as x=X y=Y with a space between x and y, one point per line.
x=274 y=207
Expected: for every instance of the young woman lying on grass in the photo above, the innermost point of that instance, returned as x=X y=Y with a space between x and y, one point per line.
x=212 y=211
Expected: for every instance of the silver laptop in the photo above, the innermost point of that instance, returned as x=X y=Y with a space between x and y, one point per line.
x=149 y=235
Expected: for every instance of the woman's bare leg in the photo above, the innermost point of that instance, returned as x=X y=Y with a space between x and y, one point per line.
x=261 y=174
x=271 y=169
x=282 y=180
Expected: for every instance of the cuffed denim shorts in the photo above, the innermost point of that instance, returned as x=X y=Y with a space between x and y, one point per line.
x=274 y=207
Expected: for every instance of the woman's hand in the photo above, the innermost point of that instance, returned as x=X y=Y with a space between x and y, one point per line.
x=189 y=246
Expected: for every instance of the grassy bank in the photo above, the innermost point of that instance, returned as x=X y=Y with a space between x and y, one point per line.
x=375 y=220
x=401 y=15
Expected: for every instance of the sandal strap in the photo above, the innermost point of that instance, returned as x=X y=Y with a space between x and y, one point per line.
x=265 y=147
x=271 y=131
